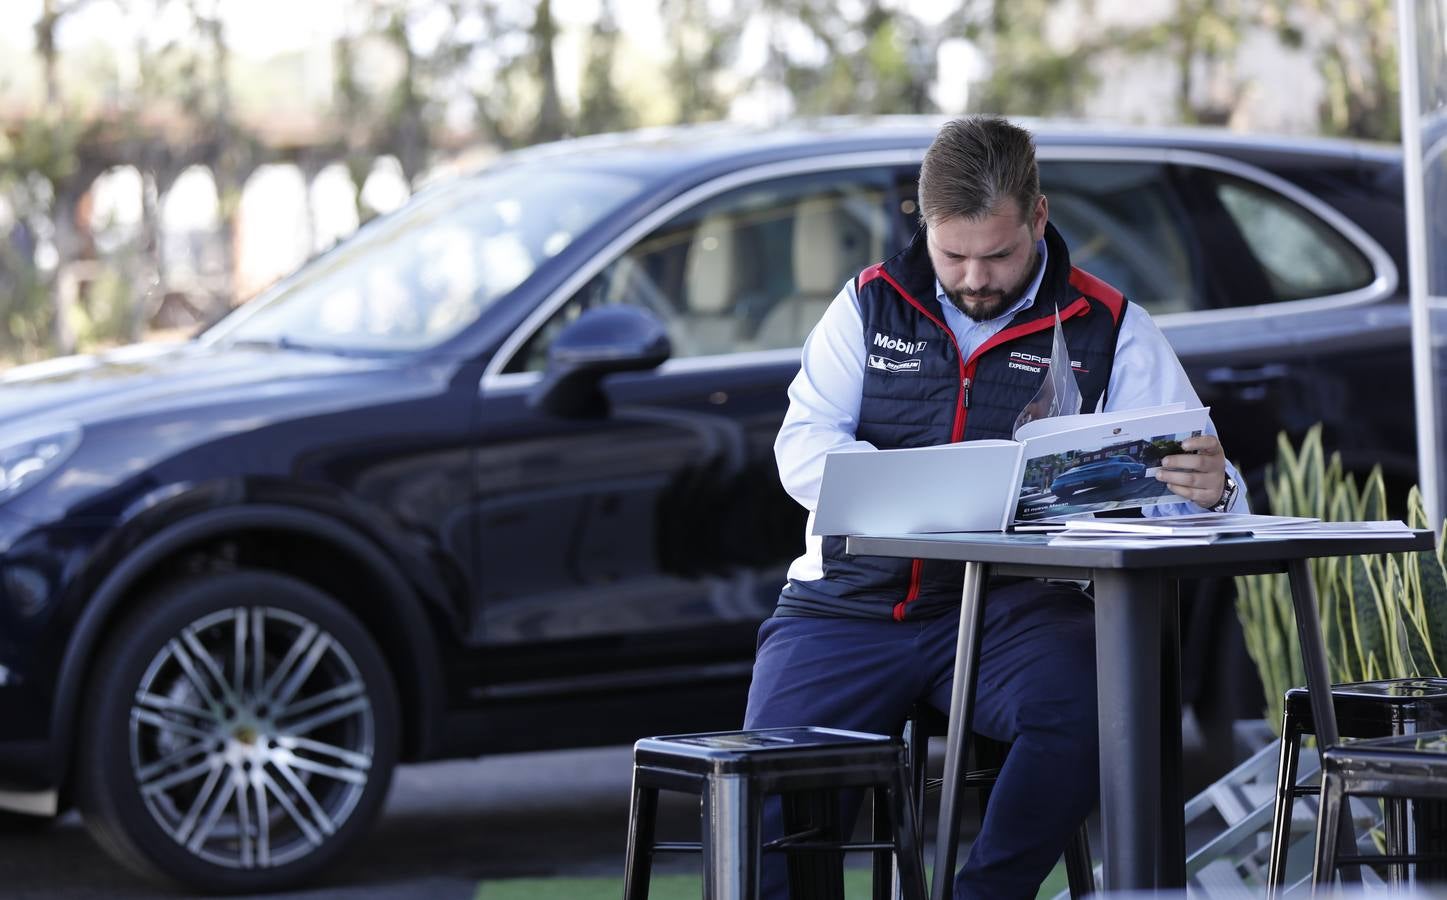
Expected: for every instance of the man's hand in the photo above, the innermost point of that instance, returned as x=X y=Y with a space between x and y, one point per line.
x=1199 y=476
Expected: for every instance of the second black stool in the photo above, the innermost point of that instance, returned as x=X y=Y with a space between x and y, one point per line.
x=733 y=771
x=1396 y=769
x=1364 y=709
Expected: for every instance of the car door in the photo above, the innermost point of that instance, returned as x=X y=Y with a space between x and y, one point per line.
x=656 y=538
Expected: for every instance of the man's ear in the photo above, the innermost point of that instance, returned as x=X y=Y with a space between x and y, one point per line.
x=1039 y=218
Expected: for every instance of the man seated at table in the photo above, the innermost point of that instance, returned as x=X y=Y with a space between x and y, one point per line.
x=856 y=641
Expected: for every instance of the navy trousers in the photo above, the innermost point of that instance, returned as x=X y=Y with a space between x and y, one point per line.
x=1035 y=689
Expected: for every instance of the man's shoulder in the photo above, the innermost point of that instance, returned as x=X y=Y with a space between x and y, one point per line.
x=869 y=274
x=1097 y=289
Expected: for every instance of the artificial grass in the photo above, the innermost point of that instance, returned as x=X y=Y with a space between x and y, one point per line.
x=670 y=887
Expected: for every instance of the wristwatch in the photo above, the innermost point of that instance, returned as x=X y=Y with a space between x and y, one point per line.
x=1228 y=495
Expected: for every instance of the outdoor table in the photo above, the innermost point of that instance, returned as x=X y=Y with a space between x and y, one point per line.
x=1137 y=673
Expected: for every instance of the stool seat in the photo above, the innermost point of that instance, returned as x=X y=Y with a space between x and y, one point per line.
x=732 y=771
x=1379 y=707
x=763 y=751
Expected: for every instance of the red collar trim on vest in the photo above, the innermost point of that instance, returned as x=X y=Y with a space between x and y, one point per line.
x=870 y=274
x=1091 y=286
x=916 y=304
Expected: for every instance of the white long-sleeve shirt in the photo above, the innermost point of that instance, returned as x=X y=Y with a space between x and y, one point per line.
x=824 y=397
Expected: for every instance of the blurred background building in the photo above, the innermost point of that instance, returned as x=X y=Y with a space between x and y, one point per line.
x=163 y=160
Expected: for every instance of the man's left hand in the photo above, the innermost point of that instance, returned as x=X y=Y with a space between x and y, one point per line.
x=1198 y=475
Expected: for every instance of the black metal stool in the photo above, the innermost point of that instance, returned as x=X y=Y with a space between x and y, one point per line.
x=733 y=771
x=1398 y=769
x=924 y=722
x=1366 y=709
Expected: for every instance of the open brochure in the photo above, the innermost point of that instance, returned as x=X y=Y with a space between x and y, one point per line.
x=1058 y=467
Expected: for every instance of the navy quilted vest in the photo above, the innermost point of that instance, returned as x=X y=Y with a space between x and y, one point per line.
x=919 y=392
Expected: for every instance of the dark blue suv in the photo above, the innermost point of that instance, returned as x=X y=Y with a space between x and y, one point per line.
x=496 y=473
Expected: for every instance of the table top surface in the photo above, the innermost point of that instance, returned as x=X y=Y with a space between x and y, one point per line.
x=1034 y=549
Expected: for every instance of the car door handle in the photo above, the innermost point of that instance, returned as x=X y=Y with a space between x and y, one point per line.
x=1230 y=377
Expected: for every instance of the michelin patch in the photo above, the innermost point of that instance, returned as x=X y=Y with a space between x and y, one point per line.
x=893 y=366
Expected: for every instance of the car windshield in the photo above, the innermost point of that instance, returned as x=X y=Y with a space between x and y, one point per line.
x=422 y=274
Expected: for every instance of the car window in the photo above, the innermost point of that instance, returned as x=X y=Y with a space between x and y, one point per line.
x=422 y=274
x=1122 y=225
x=751 y=269
x=1301 y=255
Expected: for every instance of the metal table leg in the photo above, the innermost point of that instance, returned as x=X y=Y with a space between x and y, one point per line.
x=967 y=657
x=1318 y=681
x=1173 y=804
x=1128 y=680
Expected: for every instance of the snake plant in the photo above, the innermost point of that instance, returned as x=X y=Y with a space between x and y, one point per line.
x=1383 y=615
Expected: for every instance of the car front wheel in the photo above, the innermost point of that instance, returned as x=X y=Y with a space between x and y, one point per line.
x=240 y=732
x=20 y=823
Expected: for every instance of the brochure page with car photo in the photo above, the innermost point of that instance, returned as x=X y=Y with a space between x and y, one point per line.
x=1089 y=463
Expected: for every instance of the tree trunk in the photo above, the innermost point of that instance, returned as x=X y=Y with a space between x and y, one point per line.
x=67 y=249
x=551 y=124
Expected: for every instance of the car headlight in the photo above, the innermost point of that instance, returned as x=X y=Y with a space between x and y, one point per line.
x=27 y=457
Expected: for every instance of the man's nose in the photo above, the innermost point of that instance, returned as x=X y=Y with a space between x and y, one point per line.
x=976 y=276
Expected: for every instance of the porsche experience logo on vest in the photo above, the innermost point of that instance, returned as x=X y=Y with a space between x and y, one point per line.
x=1030 y=362
x=885 y=364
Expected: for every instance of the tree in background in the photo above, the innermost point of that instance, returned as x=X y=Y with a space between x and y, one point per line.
x=231 y=152
x=551 y=123
x=490 y=76
x=52 y=162
x=1352 y=41
x=1355 y=43
x=1029 y=74
x=403 y=130
x=703 y=45
x=601 y=107
x=352 y=111
x=877 y=60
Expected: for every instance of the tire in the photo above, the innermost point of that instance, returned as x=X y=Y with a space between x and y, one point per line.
x=13 y=823
x=247 y=788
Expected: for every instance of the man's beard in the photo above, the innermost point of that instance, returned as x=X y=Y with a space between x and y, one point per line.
x=985 y=305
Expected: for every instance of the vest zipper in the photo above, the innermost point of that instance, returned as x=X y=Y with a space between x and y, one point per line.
x=914 y=570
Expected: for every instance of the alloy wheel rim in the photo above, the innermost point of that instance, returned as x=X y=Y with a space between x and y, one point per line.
x=251 y=737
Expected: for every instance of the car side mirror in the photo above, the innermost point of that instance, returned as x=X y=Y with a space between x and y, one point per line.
x=601 y=341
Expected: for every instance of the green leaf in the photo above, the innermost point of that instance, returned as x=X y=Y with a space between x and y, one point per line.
x=1381 y=615
x=1373 y=504
x=1432 y=588
x=1367 y=617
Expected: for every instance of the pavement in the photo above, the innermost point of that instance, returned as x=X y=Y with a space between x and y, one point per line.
x=446 y=827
